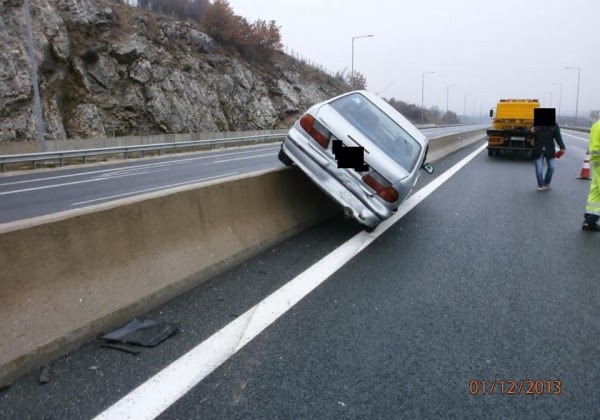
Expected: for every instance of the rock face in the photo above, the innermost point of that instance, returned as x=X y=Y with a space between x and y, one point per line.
x=107 y=69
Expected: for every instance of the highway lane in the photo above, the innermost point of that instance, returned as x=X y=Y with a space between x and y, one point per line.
x=44 y=192
x=576 y=138
x=487 y=279
x=36 y=194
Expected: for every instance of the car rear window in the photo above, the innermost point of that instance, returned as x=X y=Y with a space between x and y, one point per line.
x=378 y=127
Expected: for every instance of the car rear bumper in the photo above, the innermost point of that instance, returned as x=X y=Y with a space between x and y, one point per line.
x=358 y=203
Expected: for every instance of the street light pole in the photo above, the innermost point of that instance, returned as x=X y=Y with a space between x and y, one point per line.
x=465 y=106
x=423 y=94
x=447 y=98
x=578 y=79
x=353 y=38
x=559 y=97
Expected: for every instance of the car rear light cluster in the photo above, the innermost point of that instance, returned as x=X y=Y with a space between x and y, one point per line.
x=316 y=130
x=381 y=186
x=496 y=140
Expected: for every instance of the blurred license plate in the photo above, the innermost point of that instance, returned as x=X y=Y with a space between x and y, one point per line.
x=517 y=138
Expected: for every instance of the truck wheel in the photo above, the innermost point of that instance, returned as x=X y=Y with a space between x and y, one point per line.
x=285 y=158
x=491 y=152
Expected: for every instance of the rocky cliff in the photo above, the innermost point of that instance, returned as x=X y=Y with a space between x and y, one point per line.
x=107 y=69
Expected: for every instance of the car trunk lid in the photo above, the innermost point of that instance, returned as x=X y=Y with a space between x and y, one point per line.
x=350 y=136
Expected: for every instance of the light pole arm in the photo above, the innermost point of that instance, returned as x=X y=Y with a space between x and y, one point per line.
x=353 y=38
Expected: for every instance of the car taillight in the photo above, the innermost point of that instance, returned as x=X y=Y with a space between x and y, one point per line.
x=372 y=182
x=316 y=130
x=389 y=194
x=381 y=187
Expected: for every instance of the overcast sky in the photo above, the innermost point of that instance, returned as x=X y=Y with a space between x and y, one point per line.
x=486 y=49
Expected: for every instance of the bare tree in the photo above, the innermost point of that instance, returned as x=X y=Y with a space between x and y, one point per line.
x=357 y=80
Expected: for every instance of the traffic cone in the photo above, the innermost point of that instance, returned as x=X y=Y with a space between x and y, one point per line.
x=585 y=171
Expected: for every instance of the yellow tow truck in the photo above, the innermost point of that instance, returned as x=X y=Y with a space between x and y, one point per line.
x=511 y=125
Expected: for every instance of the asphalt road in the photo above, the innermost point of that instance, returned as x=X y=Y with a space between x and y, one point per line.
x=45 y=192
x=486 y=279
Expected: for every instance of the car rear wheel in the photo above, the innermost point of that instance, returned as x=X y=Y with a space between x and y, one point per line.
x=285 y=158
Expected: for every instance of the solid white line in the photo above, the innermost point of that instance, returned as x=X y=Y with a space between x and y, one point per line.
x=242 y=158
x=575 y=137
x=154 y=189
x=65 y=184
x=176 y=161
x=166 y=387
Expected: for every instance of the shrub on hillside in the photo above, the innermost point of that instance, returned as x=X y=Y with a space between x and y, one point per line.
x=259 y=40
x=181 y=9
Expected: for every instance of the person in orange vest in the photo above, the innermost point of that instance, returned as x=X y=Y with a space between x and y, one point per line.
x=592 y=210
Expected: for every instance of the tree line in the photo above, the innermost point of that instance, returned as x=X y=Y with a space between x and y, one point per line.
x=253 y=40
x=432 y=115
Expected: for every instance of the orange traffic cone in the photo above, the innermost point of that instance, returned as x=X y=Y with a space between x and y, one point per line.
x=585 y=171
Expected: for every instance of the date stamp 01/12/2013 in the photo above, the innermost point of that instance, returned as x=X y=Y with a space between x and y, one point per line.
x=516 y=387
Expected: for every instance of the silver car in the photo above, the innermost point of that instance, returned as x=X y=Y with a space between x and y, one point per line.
x=362 y=152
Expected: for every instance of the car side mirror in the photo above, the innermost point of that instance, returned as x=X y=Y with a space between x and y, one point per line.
x=491 y=113
x=428 y=168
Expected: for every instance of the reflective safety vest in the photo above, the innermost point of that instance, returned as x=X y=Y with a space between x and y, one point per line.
x=595 y=143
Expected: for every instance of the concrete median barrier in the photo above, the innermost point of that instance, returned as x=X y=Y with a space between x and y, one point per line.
x=66 y=277
x=443 y=146
x=69 y=276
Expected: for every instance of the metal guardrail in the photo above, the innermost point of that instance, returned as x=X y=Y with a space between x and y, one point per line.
x=60 y=156
x=140 y=150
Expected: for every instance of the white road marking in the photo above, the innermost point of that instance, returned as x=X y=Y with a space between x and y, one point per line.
x=242 y=158
x=64 y=184
x=154 y=188
x=575 y=137
x=163 y=389
x=145 y=165
x=123 y=171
